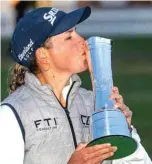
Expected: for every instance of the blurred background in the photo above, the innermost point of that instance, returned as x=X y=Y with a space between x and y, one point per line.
x=128 y=24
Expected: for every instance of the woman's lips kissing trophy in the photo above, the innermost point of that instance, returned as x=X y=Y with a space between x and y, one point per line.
x=108 y=125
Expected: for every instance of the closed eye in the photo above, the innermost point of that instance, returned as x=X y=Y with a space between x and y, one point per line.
x=68 y=38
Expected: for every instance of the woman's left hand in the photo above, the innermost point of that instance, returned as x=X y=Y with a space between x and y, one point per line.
x=119 y=104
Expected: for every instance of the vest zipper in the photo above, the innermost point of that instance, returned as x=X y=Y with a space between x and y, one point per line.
x=69 y=118
x=68 y=114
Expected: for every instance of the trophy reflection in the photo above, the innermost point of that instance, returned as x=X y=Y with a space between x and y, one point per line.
x=109 y=125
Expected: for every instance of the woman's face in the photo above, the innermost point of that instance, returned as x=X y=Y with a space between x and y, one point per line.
x=68 y=52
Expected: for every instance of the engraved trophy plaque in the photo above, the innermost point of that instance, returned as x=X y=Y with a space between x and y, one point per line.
x=108 y=125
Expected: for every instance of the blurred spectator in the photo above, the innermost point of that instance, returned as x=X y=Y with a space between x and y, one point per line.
x=22 y=7
x=113 y=4
x=139 y=3
x=43 y=3
x=7 y=15
x=96 y=4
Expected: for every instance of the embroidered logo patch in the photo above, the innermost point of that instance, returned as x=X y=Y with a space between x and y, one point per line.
x=85 y=120
x=46 y=124
x=51 y=15
x=27 y=51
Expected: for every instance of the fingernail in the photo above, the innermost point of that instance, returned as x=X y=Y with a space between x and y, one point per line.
x=115 y=148
x=108 y=144
x=111 y=153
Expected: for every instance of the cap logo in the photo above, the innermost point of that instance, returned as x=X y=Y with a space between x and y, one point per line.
x=26 y=51
x=51 y=15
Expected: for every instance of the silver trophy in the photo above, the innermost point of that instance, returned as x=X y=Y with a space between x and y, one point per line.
x=109 y=125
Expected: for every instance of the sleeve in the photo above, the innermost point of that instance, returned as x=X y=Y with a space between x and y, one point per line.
x=11 y=139
x=140 y=156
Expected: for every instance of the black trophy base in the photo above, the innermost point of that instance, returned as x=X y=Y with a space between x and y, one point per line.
x=126 y=145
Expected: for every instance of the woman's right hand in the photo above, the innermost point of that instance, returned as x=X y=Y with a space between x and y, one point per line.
x=92 y=155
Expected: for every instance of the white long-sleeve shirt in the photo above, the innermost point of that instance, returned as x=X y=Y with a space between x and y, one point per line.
x=11 y=139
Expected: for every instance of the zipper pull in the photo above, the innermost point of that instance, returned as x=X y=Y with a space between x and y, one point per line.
x=67 y=112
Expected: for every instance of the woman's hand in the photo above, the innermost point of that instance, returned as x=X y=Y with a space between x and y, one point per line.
x=119 y=104
x=91 y=155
